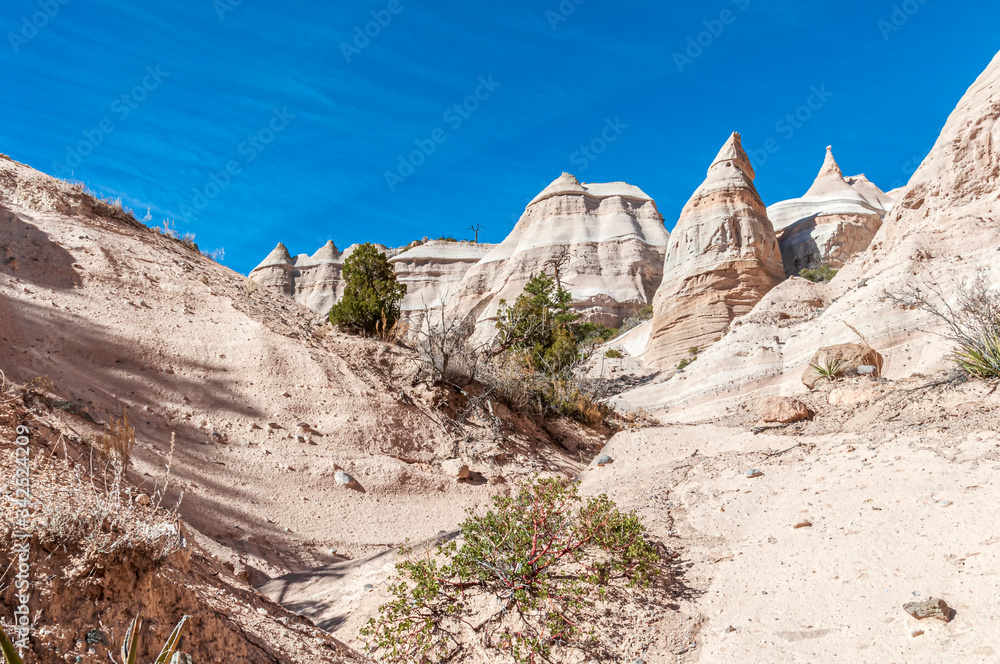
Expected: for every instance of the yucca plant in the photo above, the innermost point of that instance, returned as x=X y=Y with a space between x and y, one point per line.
x=10 y=655
x=830 y=370
x=130 y=648
x=980 y=358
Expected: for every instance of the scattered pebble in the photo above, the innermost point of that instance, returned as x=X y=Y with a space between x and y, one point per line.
x=929 y=608
x=604 y=460
x=729 y=630
x=753 y=472
x=917 y=632
x=803 y=524
x=343 y=479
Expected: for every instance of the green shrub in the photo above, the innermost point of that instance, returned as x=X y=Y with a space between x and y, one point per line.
x=820 y=274
x=371 y=295
x=529 y=573
x=830 y=370
x=595 y=333
x=539 y=322
x=691 y=359
x=613 y=353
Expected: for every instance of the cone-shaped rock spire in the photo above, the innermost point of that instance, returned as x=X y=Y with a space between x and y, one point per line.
x=721 y=260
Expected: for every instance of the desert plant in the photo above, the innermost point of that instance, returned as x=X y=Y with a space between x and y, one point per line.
x=218 y=255
x=636 y=319
x=9 y=652
x=524 y=579
x=819 y=274
x=690 y=359
x=117 y=442
x=973 y=322
x=130 y=647
x=613 y=354
x=830 y=370
x=445 y=345
x=372 y=295
x=538 y=322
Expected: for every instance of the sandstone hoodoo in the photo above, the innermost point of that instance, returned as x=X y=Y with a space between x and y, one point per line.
x=835 y=220
x=607 y=242
x=315 y=281
x=722 y=259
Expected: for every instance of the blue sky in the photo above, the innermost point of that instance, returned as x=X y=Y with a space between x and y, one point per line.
x=249 y=122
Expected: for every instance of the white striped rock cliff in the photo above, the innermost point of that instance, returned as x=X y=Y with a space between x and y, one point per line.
x=609 y=240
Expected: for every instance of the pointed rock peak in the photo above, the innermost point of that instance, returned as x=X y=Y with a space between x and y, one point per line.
x=732 y=153
x=278 y=256
x=328 y=252
x=830 y=179
x=566 y=179
x=830 y=166
x=564 y=184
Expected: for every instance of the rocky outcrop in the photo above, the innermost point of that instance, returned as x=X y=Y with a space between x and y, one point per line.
x=434 y=271
x=943 y=230
x=834 y=221
x=608 y=241
x=722 y=259
x=842 y=360
x=315 y=281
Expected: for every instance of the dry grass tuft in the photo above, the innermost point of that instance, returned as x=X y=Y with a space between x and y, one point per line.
x=117 y=443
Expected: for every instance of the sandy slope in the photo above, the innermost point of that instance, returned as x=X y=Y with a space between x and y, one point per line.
x=898 y=491
x=117 y=316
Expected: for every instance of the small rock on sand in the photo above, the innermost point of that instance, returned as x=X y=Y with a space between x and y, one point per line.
x=455 y=468
x=784 y=410
x=929 y=608
x=604 y=460
x=343 y=479
x=753 y=472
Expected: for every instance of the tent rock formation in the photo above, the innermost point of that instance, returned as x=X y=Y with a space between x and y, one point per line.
x=722 y=259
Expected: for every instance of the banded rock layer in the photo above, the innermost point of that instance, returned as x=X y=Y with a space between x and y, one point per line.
x=834 y=221
x=607 y=239
x=722 y=259
x=943 y=231
x=434 y=271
